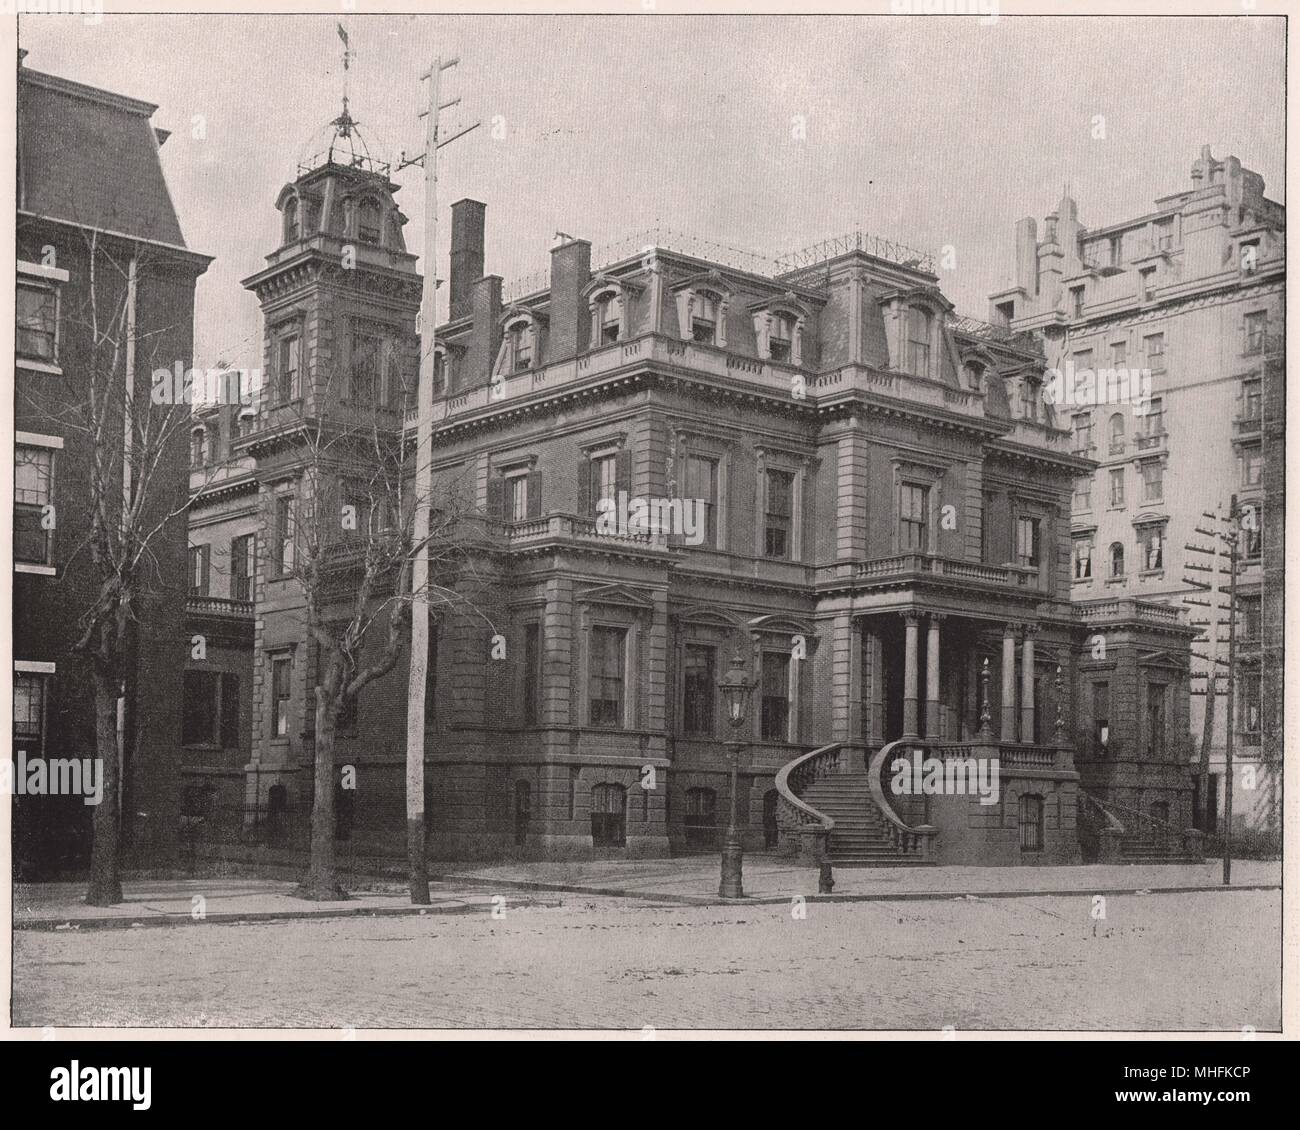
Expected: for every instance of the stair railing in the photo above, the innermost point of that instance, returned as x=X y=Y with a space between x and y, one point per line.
x=1145 y=826
x=908 y=839
x=812 y=827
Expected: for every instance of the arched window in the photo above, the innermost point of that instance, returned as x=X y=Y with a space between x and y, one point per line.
x=519 y=342
x=1031 y=822
x=1117 y=434
x=609 y=317
x=246 y=423
x=780 y=342
x=368 y=220
x=920 y=323
x=701 y=818
x=291 y=221
x=704 y=317
x=973 y=372
x=198 y=447
x=1117 y=559
x=523 y=810
x=608 y=816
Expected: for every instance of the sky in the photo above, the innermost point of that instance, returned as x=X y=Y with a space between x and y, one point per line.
x=759 y=132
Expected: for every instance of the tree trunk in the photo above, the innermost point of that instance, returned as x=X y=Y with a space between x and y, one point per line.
x=105 y=888
x=321 y=884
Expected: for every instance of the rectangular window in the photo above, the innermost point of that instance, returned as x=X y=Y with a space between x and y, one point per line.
x=1146 y=283
x=1252 y=466
x=284 y=534
x=287 y=379
x=1029 y=397
x=281 y=672
x=702 y=485
x=608 y=669
x=1249 y=703
x=775 y=689
x=1152 y=542
x=532 y=672
x=1153 y=480
x=1083 y=559
x=517 y=485
x=210 y=709
x=199 y=570
x=914 y=518
x=1119 y=354
x=1031 y=822
x=1076 y=301
x=1153 y=424
x=1154 y=346
x=1155 y=719
x=33 y=492
x=29 y=712
x=37 y=322
x=1252 y=534
x=1027 y=545
x=1164 y=234
x=779 y=520
x=1082 y=423
x=366 y=357
x=1256 y=332
x=1117 y=487
x=1251 y=401
x=243 y=566
x=1251 y=621
x=1100 y=717
x=698 y=691
x=704 y=321
x=1083 y=493
x=610 y=320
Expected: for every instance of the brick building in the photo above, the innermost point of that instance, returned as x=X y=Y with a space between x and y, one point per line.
x=92 y=203
x=884 y=539
x=1191 y=293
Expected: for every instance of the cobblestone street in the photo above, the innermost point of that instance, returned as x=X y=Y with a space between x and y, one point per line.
x=1200 y=961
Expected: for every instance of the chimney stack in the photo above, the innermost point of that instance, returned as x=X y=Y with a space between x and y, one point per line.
x=570 y=325
x=466 y=254
x=485 y=330
x=1027 y=255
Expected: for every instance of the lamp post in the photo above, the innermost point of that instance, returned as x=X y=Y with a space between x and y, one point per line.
x=736 y=689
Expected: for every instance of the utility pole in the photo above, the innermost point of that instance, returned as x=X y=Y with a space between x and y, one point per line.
x=1232 y=535
x=1210 y=601
x=423 y=485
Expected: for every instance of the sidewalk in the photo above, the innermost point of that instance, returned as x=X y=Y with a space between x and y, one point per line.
x=170 y=902
x=691 y=881
x=769 y=879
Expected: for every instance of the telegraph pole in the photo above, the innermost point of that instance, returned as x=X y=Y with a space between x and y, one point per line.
x=1232 y=536
x=1210 y=601
x=423 y=480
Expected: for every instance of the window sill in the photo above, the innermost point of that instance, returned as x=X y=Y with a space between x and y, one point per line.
x=34 y=365
x=1116 y=580
x=35 y=570
x=1151 y=574
x=1081 y=581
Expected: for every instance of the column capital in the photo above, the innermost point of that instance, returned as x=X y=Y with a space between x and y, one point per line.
x=1011 y=630
x=911 y=618
x=1029 y=629
x=938 y=617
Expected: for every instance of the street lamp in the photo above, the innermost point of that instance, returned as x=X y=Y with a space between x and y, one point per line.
x=736 y=689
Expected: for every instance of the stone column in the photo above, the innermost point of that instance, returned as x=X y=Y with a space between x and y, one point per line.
x=932 y=678
x=876 y=652
x=910 y=674
x=1008 y=732
x=1027 y=686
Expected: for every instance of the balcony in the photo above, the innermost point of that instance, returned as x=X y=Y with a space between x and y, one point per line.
x=218 y=606
x=572 y=528
x=1154 y=441
x=1145 y=611
x=1263 y=344
x=921 y=566
x=1248 y=425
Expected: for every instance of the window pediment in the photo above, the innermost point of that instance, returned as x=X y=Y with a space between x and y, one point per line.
x=618 y=596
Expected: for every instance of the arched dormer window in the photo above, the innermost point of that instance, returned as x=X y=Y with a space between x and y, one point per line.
x=919 y=341
x=778 y=329
x=368 y=220
x=973 y=375
x=609 y=301
x=292 y=221
x=1117 y=559
x=1117 y=434
x=702 y=307
x=520 y=343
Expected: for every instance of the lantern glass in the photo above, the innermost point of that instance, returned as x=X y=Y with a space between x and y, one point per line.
x=735 y=690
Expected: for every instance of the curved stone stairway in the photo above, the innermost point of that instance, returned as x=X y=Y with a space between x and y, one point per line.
x=861 y=836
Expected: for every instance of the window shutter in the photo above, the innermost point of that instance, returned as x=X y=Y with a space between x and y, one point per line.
x=496 y=500
x=534 y=494
x=584 y=488
x=229 y=711
x=623 y=471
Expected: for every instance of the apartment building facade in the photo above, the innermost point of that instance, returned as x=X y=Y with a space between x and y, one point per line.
x=1184 y=307
x=93 y=209
x=883 y=539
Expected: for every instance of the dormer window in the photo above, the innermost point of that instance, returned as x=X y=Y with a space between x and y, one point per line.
x=702 y=305
x=920 y=324
x=973 y=372
x=292 y=225
x=368 y=221
x=781 y=341
x=704 y=319
x=609 y=317
x=778 y=329
x=520 y=343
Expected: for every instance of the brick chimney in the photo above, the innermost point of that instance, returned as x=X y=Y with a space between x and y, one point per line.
x=466 y=254
x=570 y=322
x=485 y=329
